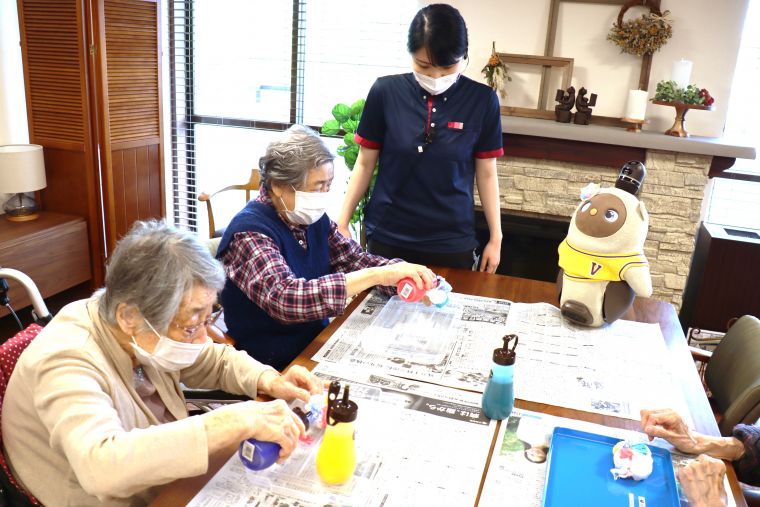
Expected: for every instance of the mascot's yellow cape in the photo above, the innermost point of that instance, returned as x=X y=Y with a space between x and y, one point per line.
x=593 y=267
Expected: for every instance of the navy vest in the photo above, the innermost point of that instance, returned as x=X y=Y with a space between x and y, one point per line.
x=253 y=330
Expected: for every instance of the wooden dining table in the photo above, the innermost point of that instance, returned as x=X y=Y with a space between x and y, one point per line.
x=521 y=290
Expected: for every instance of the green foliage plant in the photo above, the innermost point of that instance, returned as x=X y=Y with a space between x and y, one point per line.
x=344 y=122
x=669 y=91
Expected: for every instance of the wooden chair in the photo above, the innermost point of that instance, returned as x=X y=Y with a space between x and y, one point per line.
x=252 y=185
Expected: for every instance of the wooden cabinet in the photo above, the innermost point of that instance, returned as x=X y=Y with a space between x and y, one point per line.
x=724 y=280
x=52 y=250
x=93 y=96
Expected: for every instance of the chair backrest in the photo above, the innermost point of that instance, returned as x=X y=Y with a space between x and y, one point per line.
x=10 y=351
x=251 y=186
x=733 y=374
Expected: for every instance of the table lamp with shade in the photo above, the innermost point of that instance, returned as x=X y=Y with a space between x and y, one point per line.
x=22 y=169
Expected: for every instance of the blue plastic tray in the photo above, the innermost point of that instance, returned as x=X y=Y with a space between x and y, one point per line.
x=578 y=474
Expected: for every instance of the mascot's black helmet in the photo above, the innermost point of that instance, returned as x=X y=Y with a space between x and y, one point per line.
x=631 y=177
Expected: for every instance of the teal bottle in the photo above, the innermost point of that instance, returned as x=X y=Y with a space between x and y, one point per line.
x=499 y=395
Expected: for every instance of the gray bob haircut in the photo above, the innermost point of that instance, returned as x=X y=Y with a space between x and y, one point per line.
x=289 y=159
x=153 y=268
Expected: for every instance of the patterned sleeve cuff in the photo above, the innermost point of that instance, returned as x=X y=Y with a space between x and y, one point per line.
x=748 y=466
x=332 y=289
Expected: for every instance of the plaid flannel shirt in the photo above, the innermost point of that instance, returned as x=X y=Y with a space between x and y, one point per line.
x=748 y=466
x=253 y=262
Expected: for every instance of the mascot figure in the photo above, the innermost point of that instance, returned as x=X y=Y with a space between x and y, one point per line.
x=602 y=259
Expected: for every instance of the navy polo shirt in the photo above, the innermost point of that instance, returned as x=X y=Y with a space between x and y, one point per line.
x=423 y=197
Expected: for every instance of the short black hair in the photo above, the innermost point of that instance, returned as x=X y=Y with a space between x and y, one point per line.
x=442 y=31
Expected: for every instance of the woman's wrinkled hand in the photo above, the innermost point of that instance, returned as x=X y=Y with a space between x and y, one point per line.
x=297 y=382
x=702 y=482
x=272 y=421
x=390 y=274
x=667 y=424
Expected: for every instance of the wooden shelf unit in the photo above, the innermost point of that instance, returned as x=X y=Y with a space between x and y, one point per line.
x=52 y=250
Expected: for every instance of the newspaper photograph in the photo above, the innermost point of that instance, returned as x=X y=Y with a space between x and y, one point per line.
x=450 y=346
x=615 y=370
x=517 y=470
x=416 y=444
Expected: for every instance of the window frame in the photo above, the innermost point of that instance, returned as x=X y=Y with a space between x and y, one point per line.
x=184 y=120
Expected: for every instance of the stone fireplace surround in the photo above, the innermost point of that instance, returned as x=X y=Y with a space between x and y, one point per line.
x=546 y=164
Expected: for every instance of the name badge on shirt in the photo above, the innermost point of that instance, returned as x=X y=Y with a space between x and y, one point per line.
x=456 y=125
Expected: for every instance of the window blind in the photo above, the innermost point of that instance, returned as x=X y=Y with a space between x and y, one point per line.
x=243 y=70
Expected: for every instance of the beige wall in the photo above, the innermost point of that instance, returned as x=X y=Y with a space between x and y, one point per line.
x=704 y=31
x=709 y=38
x=13 y=124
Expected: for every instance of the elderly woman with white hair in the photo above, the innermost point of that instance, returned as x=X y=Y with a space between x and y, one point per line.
x=94 y=413
x=288 y=267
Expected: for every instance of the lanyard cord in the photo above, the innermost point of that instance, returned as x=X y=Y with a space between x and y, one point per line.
x=430 y=112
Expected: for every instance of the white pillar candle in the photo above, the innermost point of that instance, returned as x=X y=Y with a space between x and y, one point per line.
x=681 y=72
x=636 y=107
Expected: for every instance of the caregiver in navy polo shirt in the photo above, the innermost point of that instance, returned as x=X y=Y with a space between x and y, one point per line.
x=435 y=132
x=288 y=268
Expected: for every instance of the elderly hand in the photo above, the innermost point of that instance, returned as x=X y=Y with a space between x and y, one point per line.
x=702 y=482
x=272 y=421
x=489 y=260
x=390 y=274
x=667 y=424
x=297 y=382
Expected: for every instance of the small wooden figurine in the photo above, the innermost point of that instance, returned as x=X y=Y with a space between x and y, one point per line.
x=583 y=107
x=566 y=100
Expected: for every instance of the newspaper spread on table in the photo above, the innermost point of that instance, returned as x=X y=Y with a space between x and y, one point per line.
x=417 y=444
x=615 y=370
x=517 y=470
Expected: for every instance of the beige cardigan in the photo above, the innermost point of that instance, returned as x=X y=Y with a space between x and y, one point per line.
x=77 y=434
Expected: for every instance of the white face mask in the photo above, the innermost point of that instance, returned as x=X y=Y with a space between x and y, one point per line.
x=436 y=86
x=169 y=355
x=308 y=208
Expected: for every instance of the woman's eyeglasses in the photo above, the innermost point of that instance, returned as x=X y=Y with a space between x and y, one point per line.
x=191 y=330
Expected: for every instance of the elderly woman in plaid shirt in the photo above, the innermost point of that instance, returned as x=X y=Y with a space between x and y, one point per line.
x=288 y=268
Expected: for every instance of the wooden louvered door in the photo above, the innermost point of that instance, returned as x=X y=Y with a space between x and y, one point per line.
x=128 y=72
x=55 y=52
x=92 y=75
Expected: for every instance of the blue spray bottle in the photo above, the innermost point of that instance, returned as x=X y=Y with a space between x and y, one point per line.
x=258 y=454
x=499 y=395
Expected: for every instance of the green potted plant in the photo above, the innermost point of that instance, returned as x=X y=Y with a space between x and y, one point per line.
x=345 y=120
x=668 y=93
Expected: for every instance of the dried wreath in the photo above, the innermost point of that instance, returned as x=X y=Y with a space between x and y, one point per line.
x=643 y=35
x=496 y=73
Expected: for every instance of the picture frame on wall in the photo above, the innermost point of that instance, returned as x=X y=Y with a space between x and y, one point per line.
x=527 y=97
x=638 y=69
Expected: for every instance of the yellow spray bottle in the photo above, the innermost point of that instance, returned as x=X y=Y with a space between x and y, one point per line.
x=336 y=458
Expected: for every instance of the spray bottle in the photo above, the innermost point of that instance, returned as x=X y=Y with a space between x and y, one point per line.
x=499 y=395
x=336 y=458
x=258 y=455
x=438 y=295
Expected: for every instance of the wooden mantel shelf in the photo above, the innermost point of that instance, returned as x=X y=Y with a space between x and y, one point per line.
x=647 y=139
x=608 y=146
